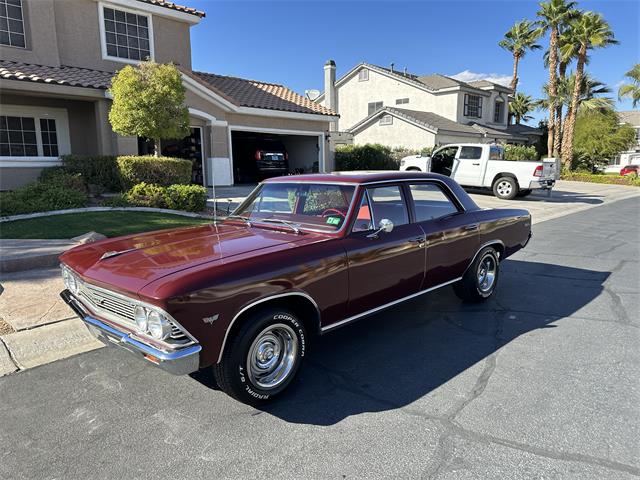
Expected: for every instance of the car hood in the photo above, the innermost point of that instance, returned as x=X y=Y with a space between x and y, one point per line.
x=129 y=263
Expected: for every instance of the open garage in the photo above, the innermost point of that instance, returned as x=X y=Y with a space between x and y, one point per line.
x=259 y=154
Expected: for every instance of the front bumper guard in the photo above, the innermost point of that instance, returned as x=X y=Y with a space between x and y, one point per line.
x=179 y=362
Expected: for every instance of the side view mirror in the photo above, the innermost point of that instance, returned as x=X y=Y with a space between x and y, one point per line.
x=385 y=226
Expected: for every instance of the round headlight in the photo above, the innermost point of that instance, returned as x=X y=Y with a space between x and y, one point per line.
x=140 y=316
x=158 y=326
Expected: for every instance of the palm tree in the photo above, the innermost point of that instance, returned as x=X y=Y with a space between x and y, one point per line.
x=520 y=105
x=554 y=14
x=520 y=38
x=632 y=90
x=589 y=31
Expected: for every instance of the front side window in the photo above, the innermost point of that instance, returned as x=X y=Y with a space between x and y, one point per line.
x=127 y=35
x=430 y=202
x=11 y=23
x=497 y=112
x=314 y=206
x=470 y=153
x=472 y=105
x=374 y=107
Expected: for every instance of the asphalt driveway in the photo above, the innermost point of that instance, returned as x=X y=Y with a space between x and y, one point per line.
x=543 y=381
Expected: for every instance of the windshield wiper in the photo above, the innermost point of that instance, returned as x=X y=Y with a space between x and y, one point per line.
x=283 y=222
x=240 y=217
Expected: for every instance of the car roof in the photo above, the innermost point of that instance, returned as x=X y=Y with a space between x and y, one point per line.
x=356 y=177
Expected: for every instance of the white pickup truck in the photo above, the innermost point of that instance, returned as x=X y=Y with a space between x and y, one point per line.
x=481 y=165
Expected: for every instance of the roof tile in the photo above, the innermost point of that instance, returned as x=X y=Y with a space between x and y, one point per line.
x=173 y=6
x=71 y=76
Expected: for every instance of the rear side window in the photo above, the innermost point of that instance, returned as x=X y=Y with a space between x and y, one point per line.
x=470 y=153
x=496 y=152
x=430 y=202
x=387 y=202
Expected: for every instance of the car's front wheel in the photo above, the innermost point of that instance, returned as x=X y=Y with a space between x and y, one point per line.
x=263 y=357
x=481 y=278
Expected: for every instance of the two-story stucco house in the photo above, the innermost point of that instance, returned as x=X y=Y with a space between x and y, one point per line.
x=631 y=156
x=57 y=58
x=400 y=109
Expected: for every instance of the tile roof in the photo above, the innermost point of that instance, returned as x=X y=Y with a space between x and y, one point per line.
x=257 y=94
x=72 y=76
x=632 y=117
x=173 y=6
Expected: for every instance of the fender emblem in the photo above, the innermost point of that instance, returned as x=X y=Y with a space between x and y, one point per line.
x=211 y=319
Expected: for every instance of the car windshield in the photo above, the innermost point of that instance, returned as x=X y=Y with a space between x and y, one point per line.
x=309 y=206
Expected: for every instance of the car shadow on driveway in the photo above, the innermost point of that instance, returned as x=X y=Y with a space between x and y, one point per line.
x=557 y=196
x=397 y=357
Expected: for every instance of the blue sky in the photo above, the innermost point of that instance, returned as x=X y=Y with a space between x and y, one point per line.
x=288 y=42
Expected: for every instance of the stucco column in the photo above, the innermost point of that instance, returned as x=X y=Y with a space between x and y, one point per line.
x=105 y=137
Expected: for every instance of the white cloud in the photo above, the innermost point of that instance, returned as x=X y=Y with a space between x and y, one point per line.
x=619 y=84
x=469 y=76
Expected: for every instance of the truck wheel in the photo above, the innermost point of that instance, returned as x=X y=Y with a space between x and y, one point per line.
x=263 y=357
x=481 y=278
x=505 y=188
x=524 y=193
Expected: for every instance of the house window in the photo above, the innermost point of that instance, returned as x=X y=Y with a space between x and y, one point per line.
x=18 y=137
x=497 y=112
x=472 y=105
x=401 y=101
x=363 y=75
x=11 y=23
x=49 y=137
x=126 y=35
x=374 y=107
x=386 y=120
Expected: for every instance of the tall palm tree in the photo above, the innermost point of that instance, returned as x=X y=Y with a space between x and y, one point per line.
x=520 y=38
x=589 y=31
x=520 y=105
x=554 y=14
x=632 y=90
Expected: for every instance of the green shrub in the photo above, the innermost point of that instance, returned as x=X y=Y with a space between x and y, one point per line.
x=42 y=197
x=365 y=157
x=163 y=171
x=600 y=178
x=119 y=200
x=520 y=152
x=191 y=198
x=147 y=195
x=55 y=176
x=100 y=172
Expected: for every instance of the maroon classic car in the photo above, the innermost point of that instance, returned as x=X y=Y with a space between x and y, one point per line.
x=302 y=255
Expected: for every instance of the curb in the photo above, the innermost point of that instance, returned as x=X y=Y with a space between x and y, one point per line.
x=26 y=216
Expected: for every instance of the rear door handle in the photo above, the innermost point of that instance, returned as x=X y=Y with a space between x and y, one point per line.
x=471 y=227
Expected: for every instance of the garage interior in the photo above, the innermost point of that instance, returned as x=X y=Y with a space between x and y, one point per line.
x=302 y=152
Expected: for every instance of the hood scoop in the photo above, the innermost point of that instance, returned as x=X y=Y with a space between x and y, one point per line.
x=113 y=253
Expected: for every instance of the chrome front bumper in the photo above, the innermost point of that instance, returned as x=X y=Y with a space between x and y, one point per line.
x=177 y=362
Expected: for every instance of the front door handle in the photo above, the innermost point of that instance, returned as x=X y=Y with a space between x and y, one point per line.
x=470 y=228
x=476 y=164
x=420 y=241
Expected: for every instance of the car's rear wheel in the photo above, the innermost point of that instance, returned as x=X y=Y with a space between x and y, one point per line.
x=505 y=188
x=481 y=278
x=263 y=357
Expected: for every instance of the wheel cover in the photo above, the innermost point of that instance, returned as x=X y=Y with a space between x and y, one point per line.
x=272 y=356
x=504 y=188
x=486 y=274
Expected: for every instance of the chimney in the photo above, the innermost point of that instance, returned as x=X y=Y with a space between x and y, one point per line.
x=330 y=96
x=392 y=65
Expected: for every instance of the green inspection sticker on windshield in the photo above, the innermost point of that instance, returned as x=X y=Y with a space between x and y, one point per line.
x=333 y=220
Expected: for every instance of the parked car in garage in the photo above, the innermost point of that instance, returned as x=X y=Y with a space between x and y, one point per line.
x=633 y=170
x=259 y=158
x=483 y=166
x=301 y=256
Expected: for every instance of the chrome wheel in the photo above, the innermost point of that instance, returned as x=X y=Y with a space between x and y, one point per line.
x=272 y=356
x=486 y=274
x=504 y=188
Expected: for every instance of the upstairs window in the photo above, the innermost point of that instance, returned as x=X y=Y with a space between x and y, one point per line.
x=472 y=105
x=11 y=23
x=374 y=107
x=497 y=112
x=127 y=36
x=401 y=101
x=363 y=75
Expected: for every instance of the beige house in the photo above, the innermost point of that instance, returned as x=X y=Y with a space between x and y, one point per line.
x=631 y=156
x=57 y=58
x=400 y=109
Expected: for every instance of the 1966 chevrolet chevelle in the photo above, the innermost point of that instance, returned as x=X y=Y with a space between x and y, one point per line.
x=302 y=255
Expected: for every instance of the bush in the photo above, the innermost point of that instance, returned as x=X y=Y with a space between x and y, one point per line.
x=42 y=197
x=147 y=195
x=163 y=171
x=119 y=200
x=99 y=171
x=365 y=157
x=600 y=178
x=520 y=152
x=56 y=176
x=192 y=198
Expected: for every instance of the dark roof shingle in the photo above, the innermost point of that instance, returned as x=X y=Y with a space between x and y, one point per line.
x=427 y=119
x=71 y=76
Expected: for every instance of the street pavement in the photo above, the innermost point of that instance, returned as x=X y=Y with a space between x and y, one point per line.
x=542 y=381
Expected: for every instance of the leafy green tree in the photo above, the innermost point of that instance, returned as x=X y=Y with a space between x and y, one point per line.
x=599 y=137
x=520 y=38
x=589 y=31
x=632 y=90
x=520 y=106
x=554 y=15
x=148 y=101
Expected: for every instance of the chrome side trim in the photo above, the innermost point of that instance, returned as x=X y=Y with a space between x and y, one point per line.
x=257 y=302
x=386 y=305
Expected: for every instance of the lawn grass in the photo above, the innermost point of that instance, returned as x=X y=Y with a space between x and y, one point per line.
x=111 y=224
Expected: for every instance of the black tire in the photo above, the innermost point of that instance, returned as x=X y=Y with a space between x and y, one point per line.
x=469 y=289
x=505 y=188
x=234 y=373
x=413 y=169
x=524 y=193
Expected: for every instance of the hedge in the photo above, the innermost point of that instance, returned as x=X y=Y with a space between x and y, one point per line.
x=365 y=157
x=163 y=171
x=190 y=198
x=520 y=152
x=601 y=178
x=100 y=172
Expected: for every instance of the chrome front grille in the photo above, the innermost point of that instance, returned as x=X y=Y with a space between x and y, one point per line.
x=103 y=300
